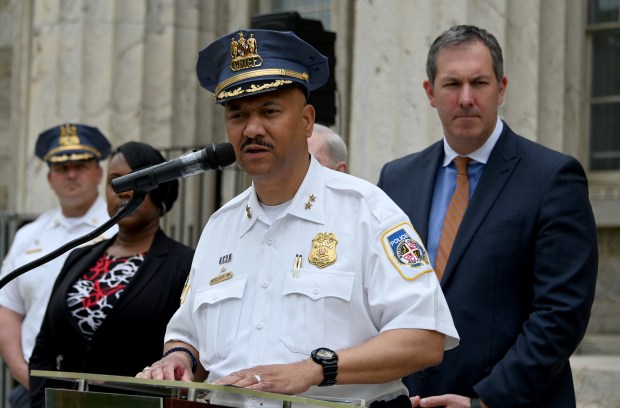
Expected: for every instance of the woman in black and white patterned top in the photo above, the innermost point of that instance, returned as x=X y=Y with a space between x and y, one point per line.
x=112 y=300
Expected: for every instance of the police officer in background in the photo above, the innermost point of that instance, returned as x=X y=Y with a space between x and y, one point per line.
x=311 y=282
x=72 y=152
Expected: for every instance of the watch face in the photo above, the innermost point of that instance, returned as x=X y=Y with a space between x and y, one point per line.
x=324 y=353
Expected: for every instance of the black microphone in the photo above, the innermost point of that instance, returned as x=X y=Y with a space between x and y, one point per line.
x=212 y=157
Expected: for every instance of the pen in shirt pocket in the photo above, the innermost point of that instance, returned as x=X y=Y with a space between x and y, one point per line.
x=297 y=266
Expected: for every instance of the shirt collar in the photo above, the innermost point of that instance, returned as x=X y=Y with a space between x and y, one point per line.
x=308 y=202
x=91 y=218
x=481 y=155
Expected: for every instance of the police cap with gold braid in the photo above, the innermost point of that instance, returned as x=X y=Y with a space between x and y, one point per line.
x=72 y=142
x=248 y=62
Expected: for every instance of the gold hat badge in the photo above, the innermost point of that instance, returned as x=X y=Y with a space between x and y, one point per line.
x=244 y=53
x=68 y=135
x=69 y=140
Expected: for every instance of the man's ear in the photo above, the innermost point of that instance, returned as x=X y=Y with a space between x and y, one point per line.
x=99 y=173
x=308 y=116
x=430 y=93
x=502 y=90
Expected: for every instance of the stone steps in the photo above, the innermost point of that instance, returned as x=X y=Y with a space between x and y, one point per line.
x=597 y=344
x=596 y=371
x=597 y=380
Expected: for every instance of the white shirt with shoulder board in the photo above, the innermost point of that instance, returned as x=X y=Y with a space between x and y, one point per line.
x=28 y=294
x=248 y=304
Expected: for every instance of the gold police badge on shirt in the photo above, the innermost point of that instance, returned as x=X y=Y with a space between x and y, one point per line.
x=323 y=252
x=402 y=246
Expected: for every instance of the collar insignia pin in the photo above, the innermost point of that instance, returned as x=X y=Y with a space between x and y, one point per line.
x=311 y=200
x=248 y=211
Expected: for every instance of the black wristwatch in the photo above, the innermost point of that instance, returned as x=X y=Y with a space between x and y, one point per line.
x=329 y=360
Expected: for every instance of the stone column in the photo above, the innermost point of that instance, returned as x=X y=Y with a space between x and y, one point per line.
x=127 y=67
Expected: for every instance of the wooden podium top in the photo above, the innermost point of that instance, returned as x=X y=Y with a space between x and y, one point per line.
x=175 y=388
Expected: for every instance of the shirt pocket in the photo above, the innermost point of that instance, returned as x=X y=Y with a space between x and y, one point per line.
x=216 y=312
x=317 y=310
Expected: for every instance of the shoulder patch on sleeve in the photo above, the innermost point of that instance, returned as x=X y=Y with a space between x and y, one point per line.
x=403 y=248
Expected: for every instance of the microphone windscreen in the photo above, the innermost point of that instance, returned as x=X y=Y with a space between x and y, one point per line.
x=220 y=155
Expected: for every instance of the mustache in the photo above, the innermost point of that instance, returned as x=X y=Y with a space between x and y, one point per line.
x=257 y=142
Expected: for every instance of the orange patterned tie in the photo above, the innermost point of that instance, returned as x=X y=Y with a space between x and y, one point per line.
x=454 y=215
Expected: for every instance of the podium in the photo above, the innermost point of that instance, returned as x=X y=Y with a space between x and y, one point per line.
x=98 y=391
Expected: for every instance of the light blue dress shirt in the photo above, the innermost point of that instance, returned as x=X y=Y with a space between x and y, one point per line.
x=445 y=184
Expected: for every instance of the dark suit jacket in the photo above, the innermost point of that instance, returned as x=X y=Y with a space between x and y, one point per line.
x=521 y=275
x=131 y=336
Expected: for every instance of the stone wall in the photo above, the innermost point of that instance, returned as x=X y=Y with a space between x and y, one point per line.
x=6 y=64
x=390 y=113
x=605 y=317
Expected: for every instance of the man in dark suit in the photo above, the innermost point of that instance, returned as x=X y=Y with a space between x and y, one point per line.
x=520 y=276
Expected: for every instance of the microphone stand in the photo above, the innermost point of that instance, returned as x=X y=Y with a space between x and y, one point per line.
x=130 y=206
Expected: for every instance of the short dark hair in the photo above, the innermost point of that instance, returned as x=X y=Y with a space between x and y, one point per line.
x=463 y=34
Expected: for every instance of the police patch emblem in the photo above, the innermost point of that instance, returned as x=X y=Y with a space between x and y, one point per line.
x=405 y=252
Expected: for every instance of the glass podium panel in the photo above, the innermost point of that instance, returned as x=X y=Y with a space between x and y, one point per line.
x=161 y=393
x=58 y=398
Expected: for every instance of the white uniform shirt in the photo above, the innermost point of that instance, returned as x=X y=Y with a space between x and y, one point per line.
x=247 y=305
x=28 y=294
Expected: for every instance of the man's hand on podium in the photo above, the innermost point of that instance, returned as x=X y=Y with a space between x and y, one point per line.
x=176 y=364
x=293 y=378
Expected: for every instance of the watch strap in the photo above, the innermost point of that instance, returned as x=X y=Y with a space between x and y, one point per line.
x=330 y=371
x=329 y=360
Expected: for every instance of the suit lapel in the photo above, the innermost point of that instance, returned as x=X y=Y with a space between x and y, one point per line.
x=155 y=258
x=425 y=171
x=81 y=262
x=496 y=173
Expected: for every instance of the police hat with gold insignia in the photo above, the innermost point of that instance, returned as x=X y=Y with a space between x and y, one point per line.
x=248 y=62
x=72 y=142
